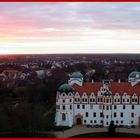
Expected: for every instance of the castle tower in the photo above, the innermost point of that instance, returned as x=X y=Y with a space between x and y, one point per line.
x=76 y=78
x=134 y=78
x=64 y=105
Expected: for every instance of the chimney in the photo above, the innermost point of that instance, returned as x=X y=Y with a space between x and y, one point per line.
x=119 y=81
x=92 y=81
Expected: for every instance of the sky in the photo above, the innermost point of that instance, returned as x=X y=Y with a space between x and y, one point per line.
x=69 y=27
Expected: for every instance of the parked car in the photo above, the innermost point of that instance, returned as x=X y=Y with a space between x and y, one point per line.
x=88 y=125
x=97 y=126
x=101 y=126
x=133 y=126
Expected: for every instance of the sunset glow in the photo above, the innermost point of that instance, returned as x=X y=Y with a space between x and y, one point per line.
x=70 y=27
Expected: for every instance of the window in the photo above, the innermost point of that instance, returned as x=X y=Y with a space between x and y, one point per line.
x=123 y=106
x=115 y=115
x=115 y=107
x=85 y=100
x=83 y=106
x=133 y=107
x=132 y=115
x=121 y=114
x=90 y=100
x=132 y=100
x=118 y=100
x=90 y=121
x=114 y=100
x=75 y=100
x=101 y=114
x=132 y=122
x=106 y=107
x=63 y=107
x=70 y=100
x=98 y=99
x=127 y=100
x=86 y=114
x=93 y=100
x=123 y=100
x=85 y=121
x=78 y=99
x=117 y=122
x=121 y=121
x=95 y=121
x=106 y=123
x=63 y=117
x=110 y=107
x=101 y=121
x=107 y=100
x=78 y=106
x=107 y=116
x=94 y=114
x=63 y=101
x=101 y=100
x=70 y=106
x=136 y=100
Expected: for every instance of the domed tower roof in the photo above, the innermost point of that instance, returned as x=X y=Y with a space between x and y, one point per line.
x=65 y=88
x=134 y=75
x=76 y=75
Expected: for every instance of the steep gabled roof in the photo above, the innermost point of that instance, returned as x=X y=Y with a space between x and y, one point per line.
x=114 y=87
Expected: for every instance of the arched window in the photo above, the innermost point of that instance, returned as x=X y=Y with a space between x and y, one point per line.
x=63 y=116
x=107 y=100
x=63 y=94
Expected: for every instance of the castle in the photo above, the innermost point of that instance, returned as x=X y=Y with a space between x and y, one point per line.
x=98 y=103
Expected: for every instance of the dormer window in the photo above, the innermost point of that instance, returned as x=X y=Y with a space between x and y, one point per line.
x=63 y=94
x=134 y=99
x=107 y=100
x=127 y=100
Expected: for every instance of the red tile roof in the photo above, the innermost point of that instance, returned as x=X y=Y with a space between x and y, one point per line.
x=114 y=87
x=88 y=87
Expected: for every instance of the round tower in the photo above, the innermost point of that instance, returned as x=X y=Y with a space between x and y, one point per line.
x=64 y=105
x=76 y=78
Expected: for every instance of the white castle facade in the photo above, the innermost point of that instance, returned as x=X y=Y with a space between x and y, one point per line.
x=98 y=103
